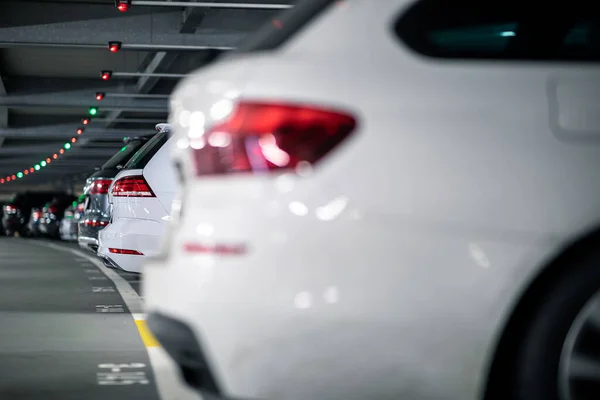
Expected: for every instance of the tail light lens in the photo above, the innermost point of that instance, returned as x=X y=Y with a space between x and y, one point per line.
x=132 y=186
x=52 y=209
x=36 y=215
x=92 y=223
x=270 y=136
x=10 y=209
x=125 y=251
x=100 y=186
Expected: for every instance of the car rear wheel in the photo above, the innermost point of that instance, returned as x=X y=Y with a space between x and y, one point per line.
x=559 y=354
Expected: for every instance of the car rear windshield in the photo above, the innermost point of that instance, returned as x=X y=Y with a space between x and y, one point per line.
x=285 y=26
x=145 y=154
x=123 y=155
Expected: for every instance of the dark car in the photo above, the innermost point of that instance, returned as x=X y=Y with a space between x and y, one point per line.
x=53 y=213
x=96 y=207
x=33 y=226
x=17 y=211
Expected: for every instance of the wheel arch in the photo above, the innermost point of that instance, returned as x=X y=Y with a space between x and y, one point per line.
x=496 y=386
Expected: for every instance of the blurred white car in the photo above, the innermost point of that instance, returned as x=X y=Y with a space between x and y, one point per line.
x=140 y=196
x=389 y=199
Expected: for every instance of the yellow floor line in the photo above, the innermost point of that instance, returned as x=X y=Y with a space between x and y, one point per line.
x=147 y=336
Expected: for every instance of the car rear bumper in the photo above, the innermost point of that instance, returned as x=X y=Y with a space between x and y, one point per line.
x=141 y=235
x=180 y=342
x=88 y=243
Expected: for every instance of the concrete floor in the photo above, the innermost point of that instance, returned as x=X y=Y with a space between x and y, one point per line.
x=66 y=332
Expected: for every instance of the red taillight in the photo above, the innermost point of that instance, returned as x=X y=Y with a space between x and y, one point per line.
x=36 y=215
x=92 y=223
x=10 y=209
x=100 y=186
x=52 y=209
x=80 y=207
x=125 y=251
x=267 y=136
x=132 y=186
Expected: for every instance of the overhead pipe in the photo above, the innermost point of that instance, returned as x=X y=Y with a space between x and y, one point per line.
x=239 y=6
x=127 y=46
x=134 y=95
x=152 y=75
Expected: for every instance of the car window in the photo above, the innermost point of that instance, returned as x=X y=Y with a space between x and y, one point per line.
x=145 y=154
x=286 y=25
x=123 y=155
x=500 y=30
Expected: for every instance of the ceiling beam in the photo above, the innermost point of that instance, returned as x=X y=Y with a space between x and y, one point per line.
x=79 y=99
x=158 y=29
x=63 y=131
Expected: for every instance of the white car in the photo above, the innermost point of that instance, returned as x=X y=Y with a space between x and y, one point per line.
x=140 y=196
x=389 y=199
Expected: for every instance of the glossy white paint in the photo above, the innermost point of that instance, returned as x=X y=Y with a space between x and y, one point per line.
x=139 y=223
x=388 y=270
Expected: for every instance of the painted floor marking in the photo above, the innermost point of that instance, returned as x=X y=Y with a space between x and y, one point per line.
x=166 y=373
x=92 y=271
x=107 y=289
x=114 y=308
x=147 y=336
x=97 y=278
x=117 y=375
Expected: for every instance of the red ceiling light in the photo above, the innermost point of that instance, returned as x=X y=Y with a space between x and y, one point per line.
x=48 y=160
x=79 y=131
x=26 y=172
x=122 y=5
x=8 y=179
x=2 y=180
x=62 y=151
x=99 y=96
x=31 y=170
x=13 y=177
x=55 y=156
x=106 y=75
x=85 y=121
x=73 y=140
x=114 y=46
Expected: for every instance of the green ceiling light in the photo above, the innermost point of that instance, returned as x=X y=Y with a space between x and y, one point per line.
x=93 y=111
x=36 y=167
x=67 y=146
x=123 y=148
x=74 y=204
x=43 y=163
x=19 y=174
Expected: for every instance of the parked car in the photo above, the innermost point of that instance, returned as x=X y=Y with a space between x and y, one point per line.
x=418 y=223
x=18 y=210
x=68 y=225
x=53 y=213
x=96 y=214
x=140 y=202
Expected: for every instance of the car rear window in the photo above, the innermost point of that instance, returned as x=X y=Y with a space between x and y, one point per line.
x=145 y=154
x=286 y=25
x=123 y=155
x=507 y=30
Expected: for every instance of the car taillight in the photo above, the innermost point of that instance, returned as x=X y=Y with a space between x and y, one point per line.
x=36 y=215
x=81 y=206
x=125 y=251
x=10 y=209
x=132 y=186
x=100 y=186
x=94 y=223
x=269 y=136
x=52 y=210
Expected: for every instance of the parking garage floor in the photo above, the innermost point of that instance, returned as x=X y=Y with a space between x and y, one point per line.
x=72 y=329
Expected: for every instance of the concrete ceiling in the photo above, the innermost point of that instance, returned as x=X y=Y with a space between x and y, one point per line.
x=52 y=53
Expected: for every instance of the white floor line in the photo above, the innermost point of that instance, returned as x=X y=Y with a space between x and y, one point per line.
x=168 y=382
